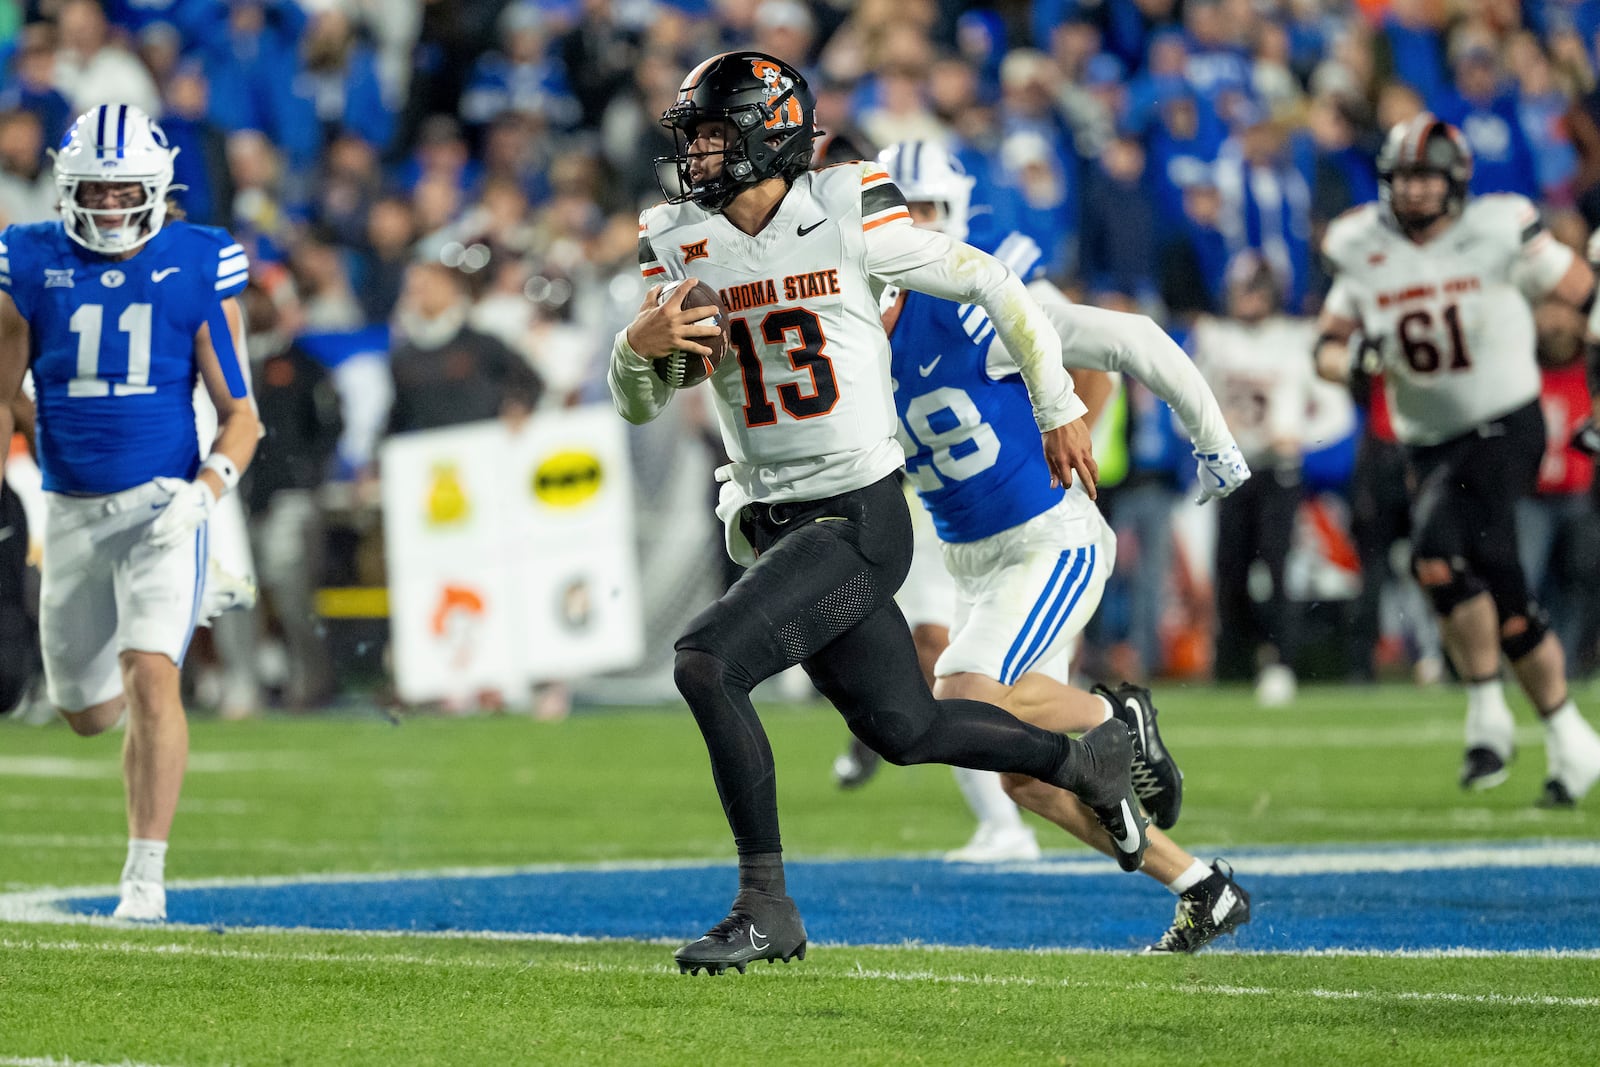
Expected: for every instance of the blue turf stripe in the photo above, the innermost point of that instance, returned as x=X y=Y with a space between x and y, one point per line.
x=1038 y=607
x=1058 y=618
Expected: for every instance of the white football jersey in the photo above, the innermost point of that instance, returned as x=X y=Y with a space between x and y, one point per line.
x=803 y=392
x=1452 y=316
x=1261 y=377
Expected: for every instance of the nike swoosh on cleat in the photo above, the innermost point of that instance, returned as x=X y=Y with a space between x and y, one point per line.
x=1138 y=718
x=1129 y=841
x=754 y=933
x=1224 y=904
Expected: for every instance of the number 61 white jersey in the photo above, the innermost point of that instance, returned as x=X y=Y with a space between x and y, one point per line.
x=1452 y=315
x=113 y=349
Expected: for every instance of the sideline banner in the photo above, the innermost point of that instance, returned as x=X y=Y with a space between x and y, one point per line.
x=510 y=555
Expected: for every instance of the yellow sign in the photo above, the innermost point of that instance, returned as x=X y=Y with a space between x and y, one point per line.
x=447 y=500
x=567 y=479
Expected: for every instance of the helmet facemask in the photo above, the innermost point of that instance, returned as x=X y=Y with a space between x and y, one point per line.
x=110 y=151
x=1424 y=146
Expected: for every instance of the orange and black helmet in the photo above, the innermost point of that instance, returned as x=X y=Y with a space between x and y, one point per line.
x=1428 y=145
x=771 y=114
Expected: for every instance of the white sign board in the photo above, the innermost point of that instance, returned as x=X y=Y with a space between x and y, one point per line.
x=510 y=555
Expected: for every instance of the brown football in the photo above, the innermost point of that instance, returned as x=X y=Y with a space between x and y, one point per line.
x=683 y=369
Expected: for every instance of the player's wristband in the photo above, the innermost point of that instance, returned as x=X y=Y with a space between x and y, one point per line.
x=223 y=468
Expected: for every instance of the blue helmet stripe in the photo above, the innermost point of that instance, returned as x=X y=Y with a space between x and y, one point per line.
x=916 y=159
x=100 y=130
x=122 y=123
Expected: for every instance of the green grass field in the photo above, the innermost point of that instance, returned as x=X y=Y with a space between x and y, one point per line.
x=355 y=794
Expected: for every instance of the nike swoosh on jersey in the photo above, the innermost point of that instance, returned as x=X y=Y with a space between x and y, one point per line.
x=925 y=371
x=157 y=275
x=801 y=231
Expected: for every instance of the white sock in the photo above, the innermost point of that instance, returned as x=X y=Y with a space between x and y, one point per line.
x=987 y=798
x=1107 y=705
x=1489 y=722
x=1192 y=876
x=1570 y=743
x=147 y=861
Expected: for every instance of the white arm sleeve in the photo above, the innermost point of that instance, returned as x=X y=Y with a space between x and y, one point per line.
x=932 y=263
x=1095 y=339
x=639 y=395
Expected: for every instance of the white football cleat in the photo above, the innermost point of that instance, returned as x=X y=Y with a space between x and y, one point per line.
x=225 y=591
x=1276 y=688
x=997 y=844
x=142 y=902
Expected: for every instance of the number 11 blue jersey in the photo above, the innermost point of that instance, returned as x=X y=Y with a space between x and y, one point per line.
x=112 y=349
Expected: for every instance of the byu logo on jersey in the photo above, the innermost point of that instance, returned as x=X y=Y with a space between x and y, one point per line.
x=111 y=279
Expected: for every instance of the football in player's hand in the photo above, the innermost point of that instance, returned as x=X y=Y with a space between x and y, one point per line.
x=683 y=369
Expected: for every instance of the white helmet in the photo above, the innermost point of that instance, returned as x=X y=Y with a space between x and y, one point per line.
x=926 y=171
x=114 y=143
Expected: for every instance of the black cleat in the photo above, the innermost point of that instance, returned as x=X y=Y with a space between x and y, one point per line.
x=856 y=765
x=1555 y=796
x=760 y=927
x=1483 y=769
x=1156 y=777
x=1106 y=786
x=1205 y=912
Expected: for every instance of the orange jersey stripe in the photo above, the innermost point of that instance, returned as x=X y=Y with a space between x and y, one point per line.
x=901 y=214
x=876 y=176
x=662 y=270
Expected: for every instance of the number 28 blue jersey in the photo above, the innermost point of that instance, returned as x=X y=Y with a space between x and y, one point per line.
x=971 y=443
x=113 y=349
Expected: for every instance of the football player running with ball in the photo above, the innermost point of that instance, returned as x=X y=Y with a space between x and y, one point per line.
x=120 y=311
x=812 y=499
x=1439 y=285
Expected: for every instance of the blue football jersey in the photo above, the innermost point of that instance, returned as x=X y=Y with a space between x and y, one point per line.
x=972 y=446
x=112 y=349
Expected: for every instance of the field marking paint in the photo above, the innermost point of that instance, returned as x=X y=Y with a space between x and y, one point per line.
x=110 y=767
x=809 y=973
x=1379 y=860
x=63 y=1061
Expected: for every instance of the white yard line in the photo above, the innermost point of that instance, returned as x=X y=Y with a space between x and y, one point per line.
x=64 y=1061
x=812 y=972
x=111 y=766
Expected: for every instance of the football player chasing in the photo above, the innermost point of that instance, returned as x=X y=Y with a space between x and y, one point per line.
x=122 y=311
x=812 y=500
x=1030 y=559
x=1439 y=285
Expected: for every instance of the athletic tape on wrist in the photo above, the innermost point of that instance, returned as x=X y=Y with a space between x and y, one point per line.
x=223 y=468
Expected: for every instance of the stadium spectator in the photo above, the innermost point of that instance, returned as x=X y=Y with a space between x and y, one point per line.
x=1118 y=249
x=382 y=259
x=1266 y=201
x=27 y=188
x=1414 y=47
x=1487 y=116
x=202 y=161
x=446 y=373
x=92 y=69
x=524 y=78
x=31 y=85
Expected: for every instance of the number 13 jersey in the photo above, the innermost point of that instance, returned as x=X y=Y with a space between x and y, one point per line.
x=1453 y=314
x=113 y=349
x=803 y=395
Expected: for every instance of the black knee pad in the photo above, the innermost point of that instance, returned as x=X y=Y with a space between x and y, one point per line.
x=1521 y=644
x=1447 y=596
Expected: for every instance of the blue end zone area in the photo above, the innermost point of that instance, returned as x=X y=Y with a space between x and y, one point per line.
x=1069 y=904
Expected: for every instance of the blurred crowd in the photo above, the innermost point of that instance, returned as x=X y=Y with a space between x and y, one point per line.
x=413 y=178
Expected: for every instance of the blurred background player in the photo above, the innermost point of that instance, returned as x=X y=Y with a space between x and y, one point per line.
x=1029 y=558
x=1444 y=281
x=813 y=500
x=1248 y=358
x=121 y=311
